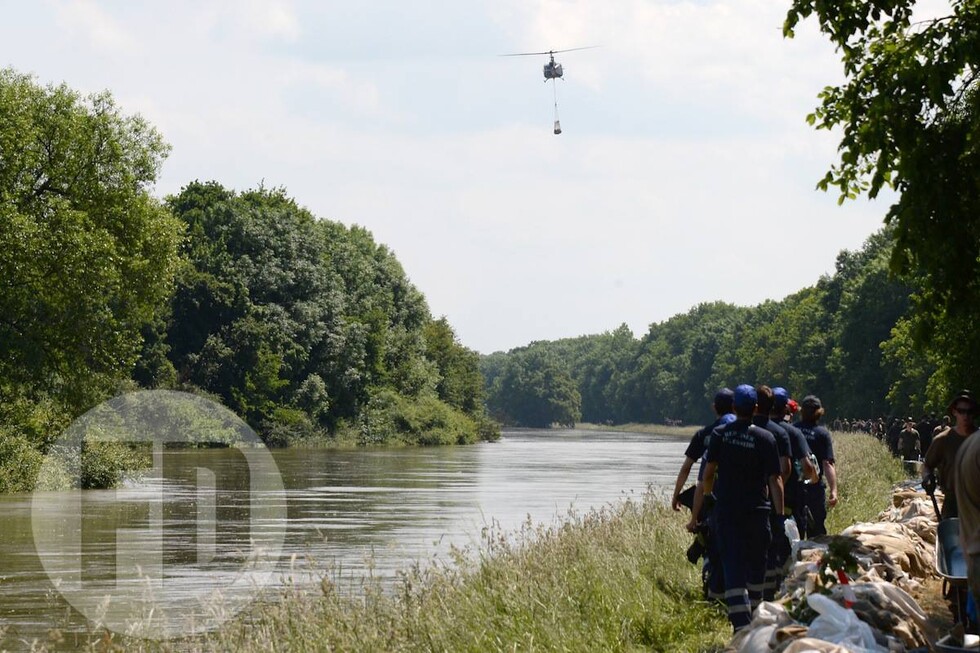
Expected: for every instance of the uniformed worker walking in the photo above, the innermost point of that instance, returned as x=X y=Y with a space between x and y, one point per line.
x=722 y=405
x=799 y=454
x=779 y=547
x=815 y=496
x=746 y=461
x=711 y=573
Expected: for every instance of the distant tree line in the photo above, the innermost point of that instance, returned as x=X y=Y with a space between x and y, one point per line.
x=846 y=339
x=307 y=328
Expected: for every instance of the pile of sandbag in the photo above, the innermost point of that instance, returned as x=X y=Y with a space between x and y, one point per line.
x=902 y=544
x=880 y=616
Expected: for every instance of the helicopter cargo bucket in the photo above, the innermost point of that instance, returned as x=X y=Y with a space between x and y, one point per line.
x=557 y=127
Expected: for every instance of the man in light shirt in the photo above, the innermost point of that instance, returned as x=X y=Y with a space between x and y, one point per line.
x=967 y=482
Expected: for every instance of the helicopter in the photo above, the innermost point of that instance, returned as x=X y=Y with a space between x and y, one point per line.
x=552 y=71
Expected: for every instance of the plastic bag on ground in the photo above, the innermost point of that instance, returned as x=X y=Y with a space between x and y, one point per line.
x=838 y=625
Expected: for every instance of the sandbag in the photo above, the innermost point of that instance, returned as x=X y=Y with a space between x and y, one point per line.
x=900 y=542
x=810 y=645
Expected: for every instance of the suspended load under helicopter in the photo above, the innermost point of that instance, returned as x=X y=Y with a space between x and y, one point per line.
x=552 y=71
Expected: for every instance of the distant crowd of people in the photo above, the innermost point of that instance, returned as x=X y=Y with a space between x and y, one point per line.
x=906 y=437
x=758 y=469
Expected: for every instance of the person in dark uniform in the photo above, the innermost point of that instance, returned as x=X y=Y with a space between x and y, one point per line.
x=894 y=431
x=711 y=573
x=746 y=461
x=801 y=465
x=940 y=427
x=722 y=405
x=711 y=570
x=791 y=450
x=924 y=426
x=763 y=406
x=815 y=495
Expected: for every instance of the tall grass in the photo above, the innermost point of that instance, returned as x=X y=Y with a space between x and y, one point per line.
x=866 y=473
x=613 y=579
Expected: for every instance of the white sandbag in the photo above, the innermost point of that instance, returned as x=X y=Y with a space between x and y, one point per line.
x=757 y=640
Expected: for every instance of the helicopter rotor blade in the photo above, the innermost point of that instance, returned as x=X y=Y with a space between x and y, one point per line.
x=524 y=54
x=550 y=52
x=587 y=47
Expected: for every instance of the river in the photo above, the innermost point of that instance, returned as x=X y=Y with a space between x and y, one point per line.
x=357 y=512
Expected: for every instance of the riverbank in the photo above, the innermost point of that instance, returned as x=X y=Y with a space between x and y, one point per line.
x=656 y=429
x=613 y=579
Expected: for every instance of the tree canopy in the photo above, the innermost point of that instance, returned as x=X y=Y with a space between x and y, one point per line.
x=909 y=111
x=299 y=323
x=87 y=255
x=533 y=387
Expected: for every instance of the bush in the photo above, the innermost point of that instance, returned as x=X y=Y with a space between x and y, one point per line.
x=96 y=465
x=28 y=426
x=106 y=463
x=487 y=428
x=289 y=427
x=20 y=463
x=390 y=417
x=37 y=420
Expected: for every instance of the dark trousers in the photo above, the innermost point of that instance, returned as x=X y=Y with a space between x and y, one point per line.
x=795 y=503
x=713 y=566
x=779 y=550
x=744 y=539
x=950 y=508
x=815 y=500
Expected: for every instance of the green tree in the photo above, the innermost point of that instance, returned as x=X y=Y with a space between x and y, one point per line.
x=460 y=382
x=831 y=339
x=599 y=368
x=670 y=378
x=871 y=303
x=535 y=389
x=909 y=111
x=87 y=255
x=909 y=368
x=303 y=324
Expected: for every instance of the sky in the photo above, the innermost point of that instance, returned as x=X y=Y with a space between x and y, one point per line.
x=685 y=171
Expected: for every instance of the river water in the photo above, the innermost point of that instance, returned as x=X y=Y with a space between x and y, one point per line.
x=356 y=512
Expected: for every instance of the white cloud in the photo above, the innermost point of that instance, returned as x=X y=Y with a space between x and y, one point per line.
x=251 y=19
x=356 y=94
x=86 y=20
